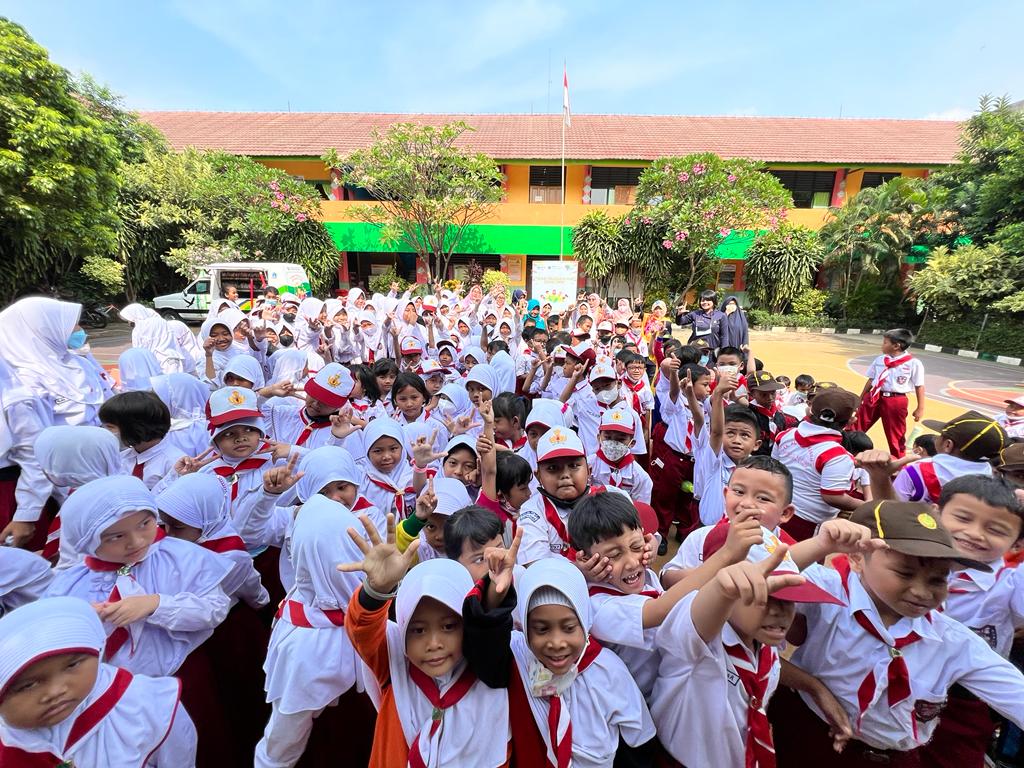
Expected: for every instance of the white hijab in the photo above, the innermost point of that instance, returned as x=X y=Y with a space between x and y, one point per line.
x=73 y=456
x=35 y=333
x=200 y=500
x=129 y=733
x=136 y=367
x=154 y=334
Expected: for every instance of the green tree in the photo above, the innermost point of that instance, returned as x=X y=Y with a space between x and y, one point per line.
x=693 y=202
x=188 y=208
x=427 y=190
x=781 y=265
x=58 y=168
x=873 y=232
x=958 y=282
x=597 y=243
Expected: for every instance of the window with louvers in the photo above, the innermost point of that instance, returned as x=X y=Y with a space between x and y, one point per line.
x=810 y=189
x=614 y=186
x=872 y=179
x=546 y=184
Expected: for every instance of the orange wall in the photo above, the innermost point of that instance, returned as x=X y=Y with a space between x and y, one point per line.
x=311 y=170
x=855 y=177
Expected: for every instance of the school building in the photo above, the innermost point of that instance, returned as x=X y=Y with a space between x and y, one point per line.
x=823 y=162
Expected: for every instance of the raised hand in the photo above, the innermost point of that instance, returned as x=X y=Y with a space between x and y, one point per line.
x=501 y=563
x=344 y=423
x=846 y=537
x=460 y=426
x=423 y=453
x=277 y=480
x=186 y=465
x=881 y=463
x=382 y=563
x=484 y=446
x=751 y=583
x=127 y=610
x=426 y=502
x=486 y=409
x=595 y=568
x=277 y=450
x=208 y=345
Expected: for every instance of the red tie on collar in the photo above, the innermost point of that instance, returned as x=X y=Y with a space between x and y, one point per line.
x=307 y=430
x=399 y=495
x=635 y=390
x=556 y=522
x=760 y=748
x=559 y=723
x=231 y=473
x=225 y=544
x=138 y=469
x=440 y=703
x=876 y=387
x=624 y=462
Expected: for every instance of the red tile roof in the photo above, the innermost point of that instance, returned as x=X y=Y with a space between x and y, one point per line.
x=591 y=137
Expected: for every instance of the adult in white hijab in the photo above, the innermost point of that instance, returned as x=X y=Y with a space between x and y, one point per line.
x=154 y=334
x=36 y=333
x=136 y=368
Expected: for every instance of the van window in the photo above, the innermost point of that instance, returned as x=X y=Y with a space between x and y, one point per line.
x=199 y=287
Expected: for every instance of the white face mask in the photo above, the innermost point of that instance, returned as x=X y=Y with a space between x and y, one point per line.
x=607 y=396
x=613 y=450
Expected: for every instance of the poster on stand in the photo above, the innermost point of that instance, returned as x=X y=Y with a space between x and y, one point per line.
x=554 y=283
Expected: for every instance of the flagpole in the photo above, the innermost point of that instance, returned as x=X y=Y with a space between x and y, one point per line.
x=561 y=227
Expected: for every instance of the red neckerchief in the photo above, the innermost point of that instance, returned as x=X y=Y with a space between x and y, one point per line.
x=515 y=446
x=84 y=724
x=897 y=673
x=559 y=720
x=624 y=462
x=308 y=426
x=230 y=473
x=138 y=468
x=635 y=390
x=760 y=749
x=440 y=703
x=398 y=492
x=556 y=522
x=889 y=363
x=120 y=635
x=225 y=544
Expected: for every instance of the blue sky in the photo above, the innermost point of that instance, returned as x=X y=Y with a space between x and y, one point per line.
x=889 y=58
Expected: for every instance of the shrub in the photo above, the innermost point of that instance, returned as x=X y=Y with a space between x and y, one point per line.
x=492 y=278
x=781 y=264
x=770 y=319
x=810 y=301
x=382 y=282
x=1003 y=334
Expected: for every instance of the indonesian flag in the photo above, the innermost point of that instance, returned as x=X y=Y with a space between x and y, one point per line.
x=565 y=98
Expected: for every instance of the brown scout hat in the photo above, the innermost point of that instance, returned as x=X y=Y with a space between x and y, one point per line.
x=910 y=528
x=833 y=404
x=764 y=382
x=975 y=435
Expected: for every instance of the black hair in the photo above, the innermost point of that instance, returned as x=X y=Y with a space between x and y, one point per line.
x=901 y=336
x=735 y=413
x=634 y=358
x=994 y=490
x=224 y=287
x=856 y=442
x=554 y=320
x=385 y=366
x=365 y=376
x=601 y=516
x=553 y=343
x=708 y=295
x=584 y=317
x=685 y=353
x=138 y=416
x=529 y=333
x=730 y=351
x=475 y=523
x=783 y=380
x=758 y=364
x=619 y=340
x=696 y=371
x=496 y=345
x=509 y=405
x=927 y=442
x=774 y=466
x=271 y=291
x=512 y=470
x=413 y=380
x=804 y=380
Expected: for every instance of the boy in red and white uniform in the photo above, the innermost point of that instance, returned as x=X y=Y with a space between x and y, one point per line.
x=613 y=463
x=309 y=425
x=888 y=654
x=1012 y=420
x=822 y=469
x=891 y=377
x=965 y=444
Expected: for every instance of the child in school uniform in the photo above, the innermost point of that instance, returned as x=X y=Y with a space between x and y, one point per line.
x=509 y=417
x=672 y=460
x=579 y=697
x=601 y=392
x=545 y=413
x=185 y=397
x=441 y=498
x=720 y=664
x=613 y=463
x=70 y=457
x=564 y=478
x=771 y=421
x=891 y=377
x=440 y=669
x=887 y=654
x=311 y=662
x=759 y=488
x=388 y=479
x=141 y=421
x=1012 y=418
x=24 y=577
x=822 y=469
x=60 y=704
x=365 y=396
x=313 y=424
x=964 y=445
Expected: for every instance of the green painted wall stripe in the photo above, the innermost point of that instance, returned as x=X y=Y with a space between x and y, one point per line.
x=497 y=239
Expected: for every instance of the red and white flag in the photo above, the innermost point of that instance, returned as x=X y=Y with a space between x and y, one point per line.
x=565 y=98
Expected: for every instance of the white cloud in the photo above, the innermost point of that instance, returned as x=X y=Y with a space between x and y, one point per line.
x=953 y=113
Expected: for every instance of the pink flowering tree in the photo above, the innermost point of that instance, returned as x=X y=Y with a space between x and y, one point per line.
x=692 y=203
